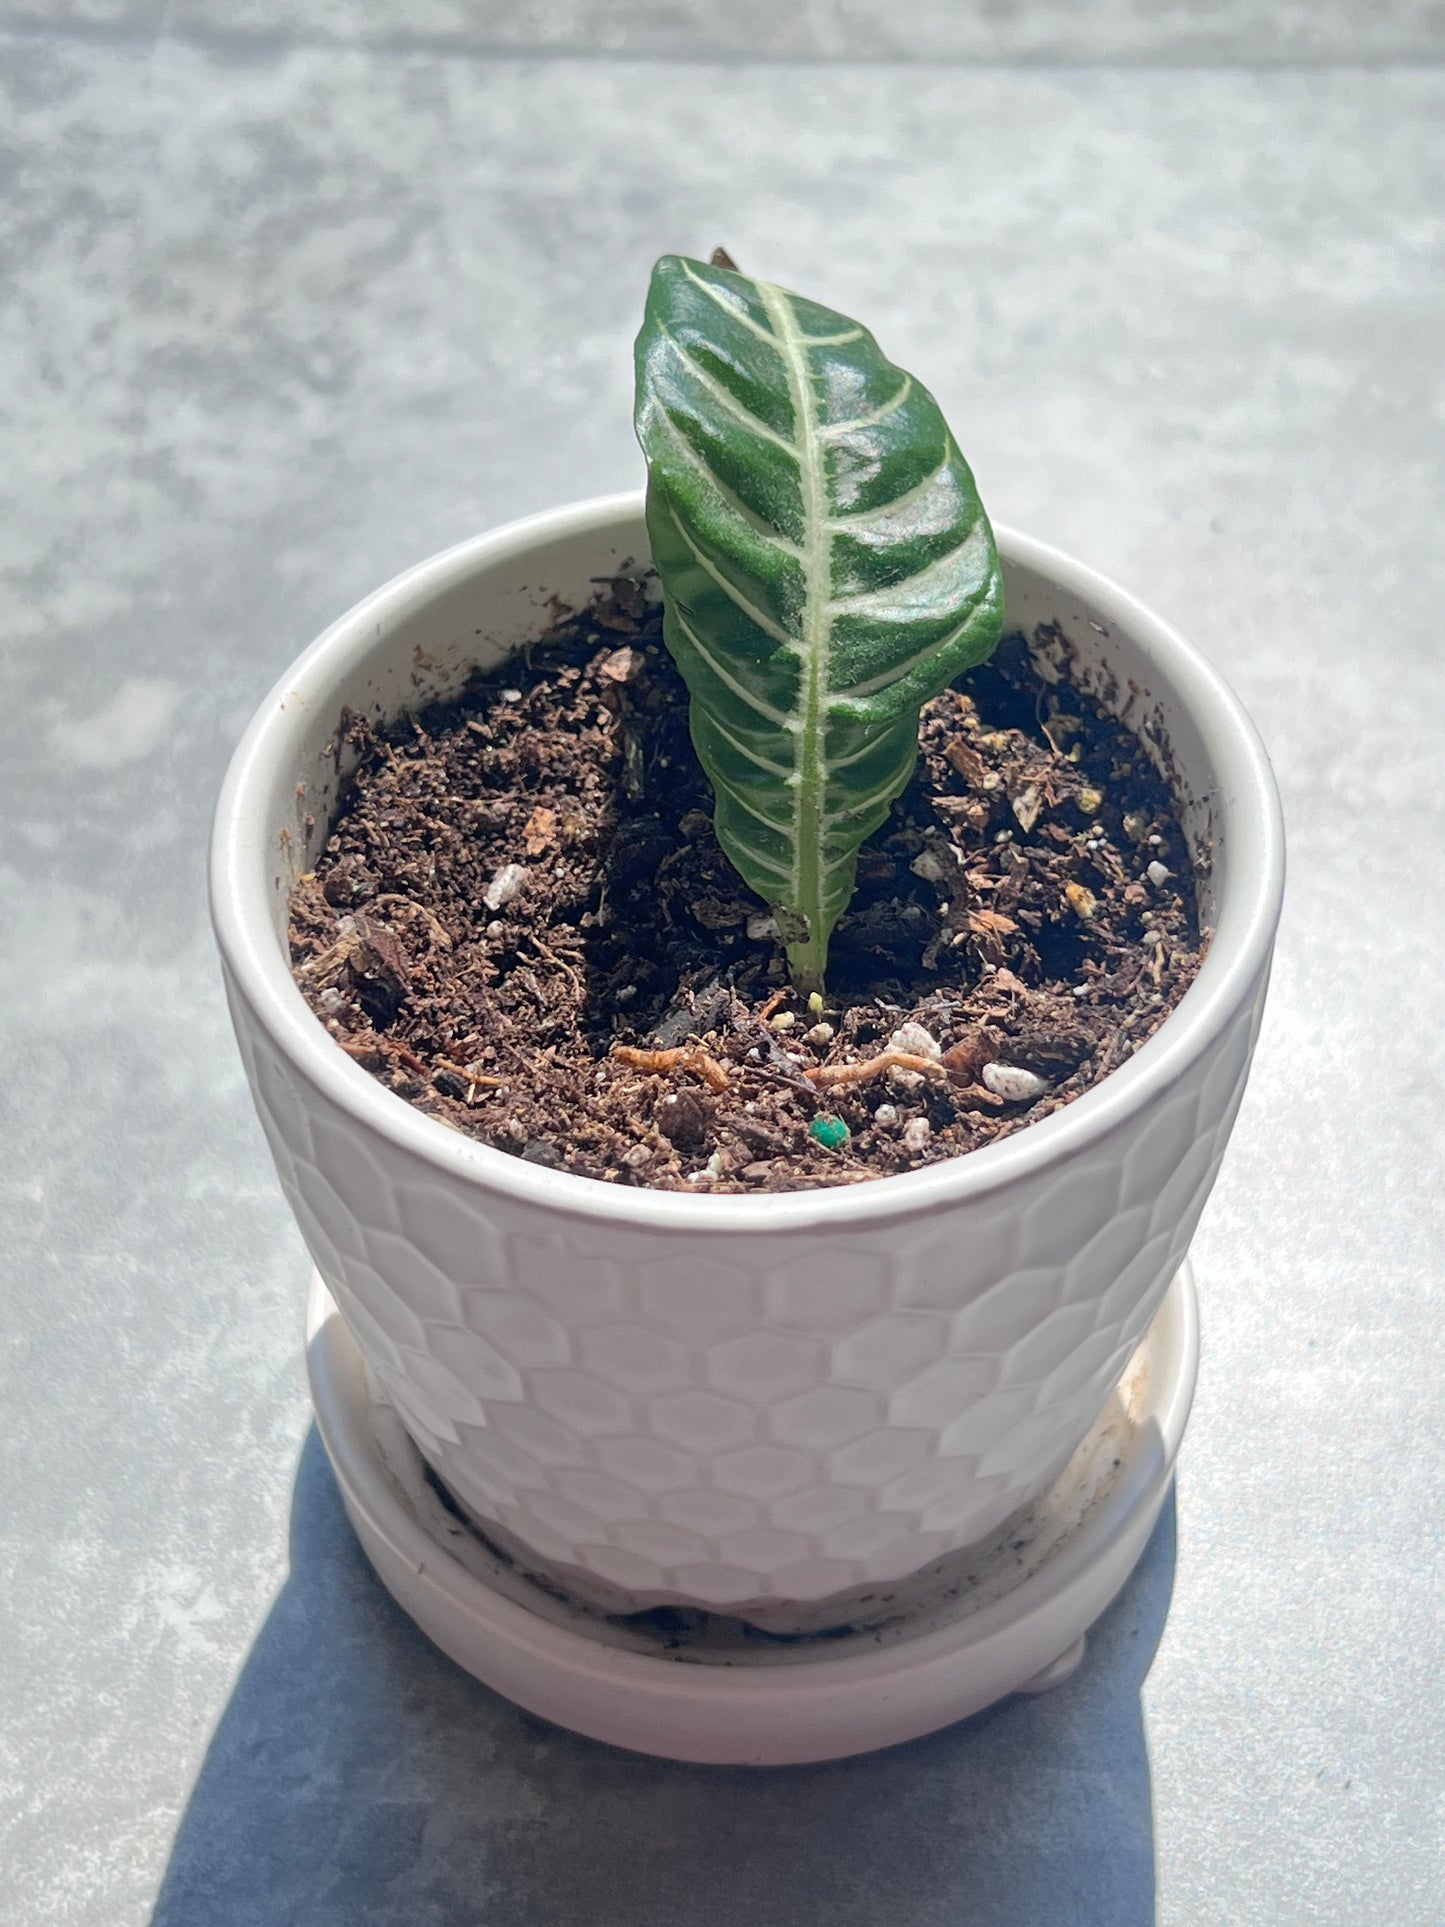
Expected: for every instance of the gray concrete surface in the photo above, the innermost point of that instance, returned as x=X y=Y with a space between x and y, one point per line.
x=1249 y=33
x=293 y=297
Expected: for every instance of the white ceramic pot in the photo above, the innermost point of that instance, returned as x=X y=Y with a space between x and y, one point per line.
x=779 y=1406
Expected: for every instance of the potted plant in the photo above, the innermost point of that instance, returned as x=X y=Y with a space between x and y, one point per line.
x=761 y=1335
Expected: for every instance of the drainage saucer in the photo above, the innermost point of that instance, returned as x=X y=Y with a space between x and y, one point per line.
x=1012 y=1617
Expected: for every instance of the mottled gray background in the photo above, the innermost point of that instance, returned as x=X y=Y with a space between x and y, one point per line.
x=294 y=294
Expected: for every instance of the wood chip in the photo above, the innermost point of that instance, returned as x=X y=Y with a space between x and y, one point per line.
x=964 y=1060
x=829 y=1077
x=619 y=666
x=967 y=761
x=1026 y=806
x=687 y=1057
x=540 y=831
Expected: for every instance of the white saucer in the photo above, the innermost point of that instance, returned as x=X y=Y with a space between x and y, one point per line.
x=691 y=1688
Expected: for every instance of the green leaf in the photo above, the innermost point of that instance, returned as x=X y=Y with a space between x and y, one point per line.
x=826 y=566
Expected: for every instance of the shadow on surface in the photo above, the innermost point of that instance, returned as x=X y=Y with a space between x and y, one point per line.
x=356 y=1776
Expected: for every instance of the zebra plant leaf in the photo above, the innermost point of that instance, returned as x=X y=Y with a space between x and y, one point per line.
x=826 y=566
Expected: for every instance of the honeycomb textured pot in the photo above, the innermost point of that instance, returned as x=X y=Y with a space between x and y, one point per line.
x=773 y=1407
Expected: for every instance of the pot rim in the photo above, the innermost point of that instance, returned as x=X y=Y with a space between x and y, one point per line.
x=1247 y=915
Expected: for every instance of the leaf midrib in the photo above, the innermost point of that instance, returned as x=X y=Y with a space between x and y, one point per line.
x=815 y=626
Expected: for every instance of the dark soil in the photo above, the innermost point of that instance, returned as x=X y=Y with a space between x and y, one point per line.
x=523 y=880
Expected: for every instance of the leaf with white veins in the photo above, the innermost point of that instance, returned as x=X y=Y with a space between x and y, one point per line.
x=826 y=566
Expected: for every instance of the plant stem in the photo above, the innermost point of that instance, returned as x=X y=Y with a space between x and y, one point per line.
x=807 y=961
